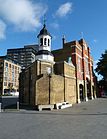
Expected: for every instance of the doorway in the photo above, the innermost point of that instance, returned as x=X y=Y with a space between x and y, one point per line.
x=81 y=92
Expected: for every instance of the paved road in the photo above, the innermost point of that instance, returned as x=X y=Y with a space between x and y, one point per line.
x=87 y=120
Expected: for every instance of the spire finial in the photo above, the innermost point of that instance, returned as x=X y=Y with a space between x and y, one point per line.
x=44 y=20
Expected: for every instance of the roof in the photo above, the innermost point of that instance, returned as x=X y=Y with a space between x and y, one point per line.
x=44 y=52
x=9 y=59
x=44 y=31
x=25 y=49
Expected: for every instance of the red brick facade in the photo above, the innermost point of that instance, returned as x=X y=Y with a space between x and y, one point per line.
x=83 y=62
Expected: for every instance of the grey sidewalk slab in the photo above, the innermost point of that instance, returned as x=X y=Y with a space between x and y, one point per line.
x=87 y=120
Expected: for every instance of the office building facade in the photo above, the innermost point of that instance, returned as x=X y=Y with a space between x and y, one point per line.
x=24 y=56
x=9 y=76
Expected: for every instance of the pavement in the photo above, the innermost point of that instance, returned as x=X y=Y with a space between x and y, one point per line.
x=87 y=120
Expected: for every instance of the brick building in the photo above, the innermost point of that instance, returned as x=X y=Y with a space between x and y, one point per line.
x=37 y=86
x=46 y=81
x=79 y=52
x=61 y=75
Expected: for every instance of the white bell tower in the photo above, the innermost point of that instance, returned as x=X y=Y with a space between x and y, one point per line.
x=44 y=40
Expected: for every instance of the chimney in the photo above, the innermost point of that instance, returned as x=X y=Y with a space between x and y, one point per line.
x=63 y=40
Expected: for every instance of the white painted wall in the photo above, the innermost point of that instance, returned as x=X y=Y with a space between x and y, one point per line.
x=45 y=57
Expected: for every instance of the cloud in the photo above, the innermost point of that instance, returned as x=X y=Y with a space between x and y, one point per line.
x=54 y=37
x=95 y=41
x=55 y=25
x=2 y=29
x=95 y=64
x=23 y=14
x=64 y=9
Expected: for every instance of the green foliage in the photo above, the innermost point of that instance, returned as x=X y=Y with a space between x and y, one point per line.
x=102 y=65
x=102 y=70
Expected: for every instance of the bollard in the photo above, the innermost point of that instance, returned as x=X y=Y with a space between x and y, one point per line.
x=17 y=105
x=0 y=108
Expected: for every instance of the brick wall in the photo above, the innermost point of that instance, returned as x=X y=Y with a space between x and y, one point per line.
x=70 y=90
x=59 y=89
x=48 y=89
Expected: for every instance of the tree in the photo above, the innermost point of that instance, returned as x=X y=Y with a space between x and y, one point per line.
x=102 y=68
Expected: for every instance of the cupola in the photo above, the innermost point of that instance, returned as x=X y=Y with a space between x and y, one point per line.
x=44 y=40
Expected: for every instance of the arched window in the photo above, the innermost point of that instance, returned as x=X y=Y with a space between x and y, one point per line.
x=45 y=41
x=41 y=41
x=48 y=42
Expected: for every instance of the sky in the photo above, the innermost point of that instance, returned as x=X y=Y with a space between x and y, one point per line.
x=21 y=21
